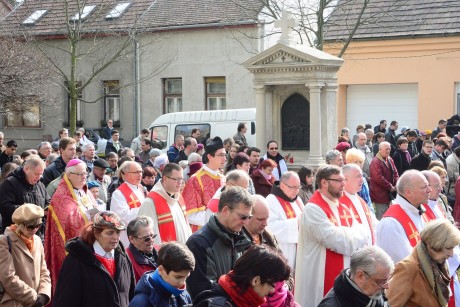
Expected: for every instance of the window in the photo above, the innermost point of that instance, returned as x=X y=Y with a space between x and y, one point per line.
x=80 y=96
x=172 y=92
x=159 y=137
x=23 y=114
x=118 y=10
x=215 y=93
x=186 y=131
x=87 y=9
x=112 y=100
x=34 y=17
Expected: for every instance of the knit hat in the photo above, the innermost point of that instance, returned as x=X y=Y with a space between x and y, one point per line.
x=26 y=213
x=428 y=132
x=194 y=167
x=342 y=146
x=403 y=129
x=108 y=219
x=93 y=184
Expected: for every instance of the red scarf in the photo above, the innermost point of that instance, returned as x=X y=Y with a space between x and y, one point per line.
x=248 y=298
x=29 y=242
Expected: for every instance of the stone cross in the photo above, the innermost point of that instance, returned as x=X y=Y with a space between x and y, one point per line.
x=286 y=23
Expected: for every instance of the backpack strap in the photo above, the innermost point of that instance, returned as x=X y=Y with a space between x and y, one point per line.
x=8 y=240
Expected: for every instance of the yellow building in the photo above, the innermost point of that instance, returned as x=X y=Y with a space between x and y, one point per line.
x=402 y=65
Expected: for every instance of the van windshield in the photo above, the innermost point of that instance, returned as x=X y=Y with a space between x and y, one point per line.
x=203 y=130
x=159 y=137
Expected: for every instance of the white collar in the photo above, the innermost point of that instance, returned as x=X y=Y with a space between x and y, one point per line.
x=432 y=203
x=405 y=204
x=334 y=203
x=206 y=168
x=101 y=252
x=132 y=186
x=350 y=196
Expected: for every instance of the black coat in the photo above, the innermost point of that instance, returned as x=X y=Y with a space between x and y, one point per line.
x=420 y=162
x=400 y=160
x=16 y=191
x=215 y=297
x=5 y=159
x=84 y=281
x=53 y=171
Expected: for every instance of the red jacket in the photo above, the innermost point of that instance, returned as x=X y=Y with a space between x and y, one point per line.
x=140 y=263
x=383 y=177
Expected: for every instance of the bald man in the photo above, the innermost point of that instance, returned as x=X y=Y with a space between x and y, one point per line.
x=353 y=183
x=399 y=230
x=435 y=208
x=235 y=178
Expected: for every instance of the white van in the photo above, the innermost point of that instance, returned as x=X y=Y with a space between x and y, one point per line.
x=222 y=123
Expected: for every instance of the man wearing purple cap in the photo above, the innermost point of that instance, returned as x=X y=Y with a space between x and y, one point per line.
x=200 y=188
x=72 y=206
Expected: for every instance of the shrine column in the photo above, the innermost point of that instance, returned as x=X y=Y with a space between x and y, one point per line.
x=261 y=111
x=330 y=101
x=269 y=134
x=315 y=159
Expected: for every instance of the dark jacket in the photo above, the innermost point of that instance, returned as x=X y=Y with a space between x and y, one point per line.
x=214 y=297
x=182 y=156
x=84 y=281
x=216 y=251
x=390 y=137
x=16 y=191
x=53 y=171
x=106 y=133
x=110 y=148
x=149 y=293
x=343 y=294
x=420 y=162
x=173 y=153
x=140 y=262
x=262 y=185
x=401 y=162
x=383 y=178
x=5 y=159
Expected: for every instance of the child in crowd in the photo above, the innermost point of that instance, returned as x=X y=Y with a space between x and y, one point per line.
x=166 y=285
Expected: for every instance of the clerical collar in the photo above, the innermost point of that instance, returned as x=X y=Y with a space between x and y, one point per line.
x=214 y=172
x=170 y=195
x=420 y=208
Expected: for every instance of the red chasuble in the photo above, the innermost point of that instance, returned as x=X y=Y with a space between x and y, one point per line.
x=287 y=207
x=347 y=202
x=395 y=211
x=130 y=196
x=165 y=218
x=334 y=261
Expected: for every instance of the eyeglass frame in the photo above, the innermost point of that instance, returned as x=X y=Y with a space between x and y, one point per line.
x=381 y=285
x=147 y=238
x=79 y=174
x=242 y=216
x=177 y=180
x=290 y=187
x=339 y=180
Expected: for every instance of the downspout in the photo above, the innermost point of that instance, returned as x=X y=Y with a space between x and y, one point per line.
x=137 y=103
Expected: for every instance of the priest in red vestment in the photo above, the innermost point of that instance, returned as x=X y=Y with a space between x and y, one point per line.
x=72 y=206
x=200 y=188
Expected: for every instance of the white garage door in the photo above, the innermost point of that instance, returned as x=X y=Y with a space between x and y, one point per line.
x=368 y=104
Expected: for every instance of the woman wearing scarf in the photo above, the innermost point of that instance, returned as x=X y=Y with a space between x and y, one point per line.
x=273 y=154
x=263 y=179
x=402 y=157
x=23 y=272
x=253 y=277
x=422 y=278
x=97 y=271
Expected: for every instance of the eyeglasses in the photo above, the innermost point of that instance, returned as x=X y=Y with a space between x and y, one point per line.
x=84 y=174
x=291 y=187
x=177 y=180
x=32 y=227
x=148 y=238
x=340 y=180
x=242 y=216
x=380 y=283
x=136 y=172
x=274 y=148
x=220 y=155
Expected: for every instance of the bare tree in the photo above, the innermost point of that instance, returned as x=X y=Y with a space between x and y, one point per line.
x=85 y=41
x=25 y=80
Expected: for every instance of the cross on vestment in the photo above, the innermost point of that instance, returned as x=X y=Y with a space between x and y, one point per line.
x=346 y=217
x=133 y=202
x=414 y=234
x=286 y=23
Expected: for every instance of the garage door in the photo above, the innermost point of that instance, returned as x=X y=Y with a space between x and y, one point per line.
x=368 y=104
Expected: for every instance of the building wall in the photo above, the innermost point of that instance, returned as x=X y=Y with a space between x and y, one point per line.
x=429 y=62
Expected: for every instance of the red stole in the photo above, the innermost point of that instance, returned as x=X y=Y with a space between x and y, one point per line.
x=429 y=215
x=130 y=196
x=347 y=202
x=287 y=207
x=395 y=211
x=334 y=261
x=165 y=218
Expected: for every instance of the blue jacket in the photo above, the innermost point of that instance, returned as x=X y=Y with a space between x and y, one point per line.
x=149 y=293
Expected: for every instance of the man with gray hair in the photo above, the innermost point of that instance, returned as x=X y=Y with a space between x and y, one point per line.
x=23 y=186
x=285 y=211
x=219 y=243
x=88 y=156
x=399 y=229
x=363 y=283
x=2 y=138
x=328 y=235
x=384 y=175
x=334 y=157
x=44 y=150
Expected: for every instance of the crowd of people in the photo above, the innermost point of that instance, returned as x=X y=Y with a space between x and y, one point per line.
x=224 y=224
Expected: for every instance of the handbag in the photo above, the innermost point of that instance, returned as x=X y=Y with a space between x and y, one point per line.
x=2 y=290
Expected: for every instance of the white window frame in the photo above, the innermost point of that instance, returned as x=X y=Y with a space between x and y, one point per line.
x=112 y=99
x=215 y=100
x=172 y=99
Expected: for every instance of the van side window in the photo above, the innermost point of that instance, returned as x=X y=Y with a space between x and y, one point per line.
x=186 y=131
x=159 y=137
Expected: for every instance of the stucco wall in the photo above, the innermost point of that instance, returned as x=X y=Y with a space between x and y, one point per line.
x=430 y=62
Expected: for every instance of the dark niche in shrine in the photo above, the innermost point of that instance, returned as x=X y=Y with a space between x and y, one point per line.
x=295 y=123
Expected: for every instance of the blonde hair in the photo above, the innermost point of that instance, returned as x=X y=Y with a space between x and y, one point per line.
x=20 y=228
x=440 y=234
x=439 y=170
x=354 y=154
